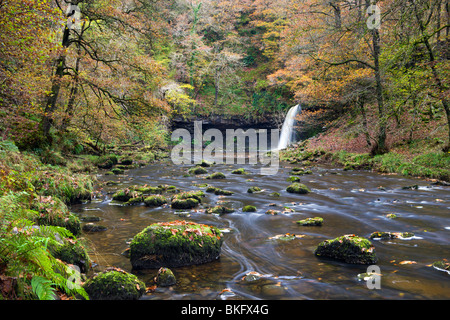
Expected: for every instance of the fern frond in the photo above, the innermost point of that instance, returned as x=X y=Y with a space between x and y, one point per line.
x=42 y=288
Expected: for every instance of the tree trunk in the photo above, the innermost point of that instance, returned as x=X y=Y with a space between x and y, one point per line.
x=52 y=98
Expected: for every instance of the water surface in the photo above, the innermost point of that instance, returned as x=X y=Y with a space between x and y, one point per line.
x=350 y=202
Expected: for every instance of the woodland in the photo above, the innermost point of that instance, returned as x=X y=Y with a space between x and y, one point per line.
x=82 y=78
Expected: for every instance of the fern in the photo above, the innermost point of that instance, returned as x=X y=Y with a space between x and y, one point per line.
x=43 y=289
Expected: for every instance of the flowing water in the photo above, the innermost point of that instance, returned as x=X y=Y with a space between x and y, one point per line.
x=350 y=202
x=287 y=130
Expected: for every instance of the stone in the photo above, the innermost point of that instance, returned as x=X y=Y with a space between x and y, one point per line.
x=316 y=221
x=114 y=284
x=175 y=244
x=348 y=248
x=165 y=277
x=249 y=209
x=298 y=188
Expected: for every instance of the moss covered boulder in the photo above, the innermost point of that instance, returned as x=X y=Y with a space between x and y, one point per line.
x=216 y=175
x=254 y=190
x=239 y=171
x=348 y=248
x=249 y=208
x=71 y=251
x=165 y=277
x=220 y=210
x=155 y=200
x=175 y=244
x=197 y=170
x=126 y=194
x=187 y=200
x=299 y=188
x=219 y=191
x=316 y=221
x=114 y=284
x=390 y=235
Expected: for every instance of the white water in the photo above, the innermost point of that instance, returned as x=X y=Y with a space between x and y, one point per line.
x=287 y=131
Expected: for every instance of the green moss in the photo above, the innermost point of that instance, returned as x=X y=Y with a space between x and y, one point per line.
x=188 y=203
x=293 y=179
x=254 y=189
x=71 y=251
x=219 y=191
x=316 y=221
x=155 y=201
x=239 y=171
x=348 y=248
x=216 y=175
x=197 y=170
x=219 y=210
x=390 y=235
x=117 y=171
x=51 y=211
x=298 y=188
x=249 y=208
x=275 y=194
x=300 y=171
x=165 y=277
x=174 y=244
x=126 y=194
x=114 y=284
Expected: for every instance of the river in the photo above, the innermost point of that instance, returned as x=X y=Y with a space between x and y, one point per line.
x=350 y=202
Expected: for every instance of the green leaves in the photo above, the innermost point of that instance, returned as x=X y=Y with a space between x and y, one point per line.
x=43 y=289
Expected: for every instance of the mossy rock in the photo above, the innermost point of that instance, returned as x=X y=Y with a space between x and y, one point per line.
x=348 y=248
x=197 y=170
x=188 y=203
x=316 y=221
x=117 y=171
x=254 y=189
x=114 y=284
x=249 y=208
x=165 y=277
x=272 y=212
x=300 y=171
x=51 y=211
x=196 y=194
x=71 y=251
x=219 y=191
x=205 y=164
x=155 y=200
x=216 y=175
x=126 y=194
x=390 y=235
x=219 y=210
x=134 y=201
x=239 y=171
x=126 y=161
x=106 y=161
x=299 y=188
x=275 y=194
x=442 y=265
x=92 y=227
x=175 y=244
x=293 y=179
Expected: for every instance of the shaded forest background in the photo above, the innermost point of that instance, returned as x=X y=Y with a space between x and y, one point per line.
x=78 y=76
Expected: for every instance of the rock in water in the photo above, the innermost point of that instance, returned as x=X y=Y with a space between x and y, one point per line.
x=114 y=284
x=165 y=277
x=348 y=248
x=175 y=244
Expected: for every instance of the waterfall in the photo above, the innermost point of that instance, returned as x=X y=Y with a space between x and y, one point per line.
x=287 y=131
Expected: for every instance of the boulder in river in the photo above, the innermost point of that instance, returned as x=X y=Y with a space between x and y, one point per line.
x=197 y=170
x=348 y=248
x=216 y=175
x=175 y=244
x=114 y=284
x=316 y=221
x=299 y=188
x=254 y=189
x=155 y=200
x=220 y=210
x=249 y=208
x=390 y=235
x=165 y=277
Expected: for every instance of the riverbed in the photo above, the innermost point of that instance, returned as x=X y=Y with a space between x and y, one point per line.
x=350 y=202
